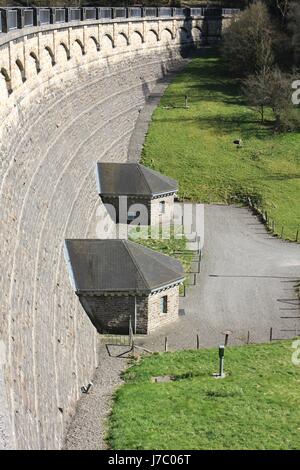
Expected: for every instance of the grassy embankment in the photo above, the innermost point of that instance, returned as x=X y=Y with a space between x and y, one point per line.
x=195 y=146
x=257 y=405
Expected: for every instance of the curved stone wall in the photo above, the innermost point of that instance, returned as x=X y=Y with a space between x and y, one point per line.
x=69 y=97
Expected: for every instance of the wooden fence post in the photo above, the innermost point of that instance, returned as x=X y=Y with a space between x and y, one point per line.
x=198 y=342
x=248 y=337
x=166 y=344
x=271 y=334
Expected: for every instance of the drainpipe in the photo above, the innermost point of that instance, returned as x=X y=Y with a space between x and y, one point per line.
x=135 y=314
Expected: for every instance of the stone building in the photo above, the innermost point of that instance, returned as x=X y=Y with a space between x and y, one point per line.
x=116 y=280
x=136 y=193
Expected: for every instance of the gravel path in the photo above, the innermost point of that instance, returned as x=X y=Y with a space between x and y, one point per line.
x=88 y=428
x=152 y=101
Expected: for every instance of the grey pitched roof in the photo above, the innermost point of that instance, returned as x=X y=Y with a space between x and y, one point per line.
x=119 y=265
x=132 y=179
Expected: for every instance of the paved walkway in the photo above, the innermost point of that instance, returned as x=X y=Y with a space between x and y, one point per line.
x=247 y=283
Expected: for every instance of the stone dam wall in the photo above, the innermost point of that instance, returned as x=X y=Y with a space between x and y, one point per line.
x=69 y=97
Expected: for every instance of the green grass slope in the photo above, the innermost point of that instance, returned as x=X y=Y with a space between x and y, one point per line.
x=257 y=406
x=195 y=146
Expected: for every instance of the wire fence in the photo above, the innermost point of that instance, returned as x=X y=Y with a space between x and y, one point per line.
x=279 y=231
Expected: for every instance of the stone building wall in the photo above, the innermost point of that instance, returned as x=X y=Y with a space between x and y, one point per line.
x=157 y=319
x=156 y=215
x=109 y=314
x=112 y=313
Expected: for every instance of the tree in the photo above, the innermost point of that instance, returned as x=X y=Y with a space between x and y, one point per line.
x=273 y=89
x=255 y=89
x=294 y=28
x=248 y=41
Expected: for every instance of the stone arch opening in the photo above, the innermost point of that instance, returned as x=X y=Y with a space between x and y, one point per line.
x=152 y=37
x=137 y=37
x=36 y=61
x=7 y=79
x=77 y=41
x=66 y=49
x=50 y=52
x=96 y=43
x=122 y=40
x=107 y=42
x=183 y=35
x=197 y=34
x=166 y=35
x=21 y=69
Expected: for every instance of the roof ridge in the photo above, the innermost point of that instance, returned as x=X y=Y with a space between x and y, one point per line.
x=125 y=243
x=150 y=252
x=162 y=177
x=142 y=174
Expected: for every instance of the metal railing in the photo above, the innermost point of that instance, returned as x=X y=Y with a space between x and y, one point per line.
x=89 y=13
x=230 y=11
x=150 y=12
x=119 y=13
x=12 y=18
x=9 y=19
x=104 y=13
x=134 y=12
x=73 y=14
x=165 y=12
x=179 y=11
x=58 y=15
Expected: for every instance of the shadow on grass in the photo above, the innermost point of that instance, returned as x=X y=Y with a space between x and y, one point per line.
x=244 y=125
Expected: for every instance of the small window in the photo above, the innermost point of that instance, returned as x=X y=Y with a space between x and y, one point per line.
x=162 y=207
x=164 y=304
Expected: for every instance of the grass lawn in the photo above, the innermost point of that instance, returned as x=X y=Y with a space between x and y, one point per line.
x=257 y=406
x=195 y=146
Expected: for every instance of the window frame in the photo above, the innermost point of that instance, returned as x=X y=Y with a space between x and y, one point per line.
x=163 y=305
x=162 y=207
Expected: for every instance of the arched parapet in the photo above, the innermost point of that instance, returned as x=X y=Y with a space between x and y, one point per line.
x=107 y=44
x=47 y=57
x=77 y=51
x=33 y=64
x=197 y=34
x=121 y=40
x=5 y=84
x=151 y=37
x=92 y=45
x=183 y=35
x=166 y=36
x=136 y=39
